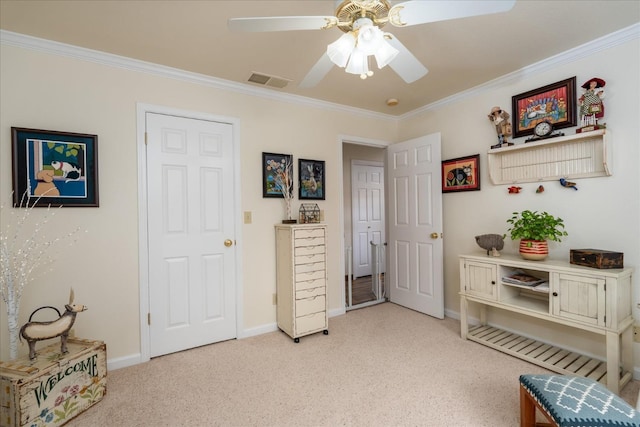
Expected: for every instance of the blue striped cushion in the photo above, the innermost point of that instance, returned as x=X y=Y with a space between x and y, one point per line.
x=579 y=402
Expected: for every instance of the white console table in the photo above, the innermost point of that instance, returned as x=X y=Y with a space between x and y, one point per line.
x=590 y=299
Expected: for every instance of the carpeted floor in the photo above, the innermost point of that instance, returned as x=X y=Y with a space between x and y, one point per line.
x=379 y=366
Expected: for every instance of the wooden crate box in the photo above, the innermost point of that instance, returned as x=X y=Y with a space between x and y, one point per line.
x=55 y=387
x=596 y=258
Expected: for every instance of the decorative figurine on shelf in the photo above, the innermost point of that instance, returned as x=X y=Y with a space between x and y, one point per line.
x=492 y=243
x=568 y=184
x=591 y=105
x=540 y=189
x=500 y=119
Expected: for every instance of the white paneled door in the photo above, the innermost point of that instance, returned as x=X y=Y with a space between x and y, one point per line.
x=367 y=209
x=192 y=253
x=415 y=251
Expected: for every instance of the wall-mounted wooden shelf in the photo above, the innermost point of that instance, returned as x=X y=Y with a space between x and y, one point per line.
x=583 y=155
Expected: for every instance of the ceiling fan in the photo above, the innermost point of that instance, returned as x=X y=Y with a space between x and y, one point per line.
x=361 y=21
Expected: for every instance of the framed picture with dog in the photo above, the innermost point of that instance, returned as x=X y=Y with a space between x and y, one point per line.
x=52 y=168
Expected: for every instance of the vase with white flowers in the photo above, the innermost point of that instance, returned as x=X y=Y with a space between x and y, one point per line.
x=283 y=178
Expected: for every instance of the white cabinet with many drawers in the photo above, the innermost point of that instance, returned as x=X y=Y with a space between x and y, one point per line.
x=301 y=270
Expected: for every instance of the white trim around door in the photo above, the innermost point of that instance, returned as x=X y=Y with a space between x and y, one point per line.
x=141 y=111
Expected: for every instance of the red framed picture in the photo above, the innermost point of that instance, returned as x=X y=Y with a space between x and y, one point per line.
x=554 y=103
x=461 y=174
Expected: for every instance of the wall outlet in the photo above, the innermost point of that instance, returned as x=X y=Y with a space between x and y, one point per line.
x=275 y=299
x=636 y=333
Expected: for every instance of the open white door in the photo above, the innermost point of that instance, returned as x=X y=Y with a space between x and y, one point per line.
x=415 y=269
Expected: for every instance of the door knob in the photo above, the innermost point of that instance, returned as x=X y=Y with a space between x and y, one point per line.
x=434 y=235
x=228 y=242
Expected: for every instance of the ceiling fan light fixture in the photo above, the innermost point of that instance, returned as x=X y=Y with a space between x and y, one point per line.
x=358 y=63
x=340 y=50
x=385 y=54
x=370 y=39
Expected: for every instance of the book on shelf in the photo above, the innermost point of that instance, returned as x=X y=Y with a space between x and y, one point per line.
x=542 y=287
x=521 y=278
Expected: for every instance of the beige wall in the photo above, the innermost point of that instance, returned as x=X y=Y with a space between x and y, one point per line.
x=47 y=91
x=604 y=213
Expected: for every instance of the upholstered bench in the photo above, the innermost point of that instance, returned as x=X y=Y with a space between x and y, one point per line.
x=568 y=401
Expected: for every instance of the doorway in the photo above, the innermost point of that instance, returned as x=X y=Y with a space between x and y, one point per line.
x=364 y=237
x=414 y=254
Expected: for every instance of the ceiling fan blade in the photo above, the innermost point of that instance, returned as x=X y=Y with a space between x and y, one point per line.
x=422 y=12
x=317 y=72
x=281 y=23
x=405 y=64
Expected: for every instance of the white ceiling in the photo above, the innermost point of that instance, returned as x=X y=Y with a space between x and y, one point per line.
x=193 y=36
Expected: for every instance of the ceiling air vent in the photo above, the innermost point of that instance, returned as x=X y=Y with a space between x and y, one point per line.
x=267 y=80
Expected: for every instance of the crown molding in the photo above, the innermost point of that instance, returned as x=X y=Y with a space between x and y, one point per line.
x=56 y=48
x=603 y=43
x=48 y=46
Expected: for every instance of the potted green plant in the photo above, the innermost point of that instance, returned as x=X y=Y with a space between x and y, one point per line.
x=534 y=229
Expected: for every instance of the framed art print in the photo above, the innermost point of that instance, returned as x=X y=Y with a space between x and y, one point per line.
x=276 y=169
x=55 y=168
x=461 y=174
x=555 y=103
x=311 y=185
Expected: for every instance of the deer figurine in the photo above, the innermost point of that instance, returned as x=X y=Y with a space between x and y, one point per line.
x=38 y=331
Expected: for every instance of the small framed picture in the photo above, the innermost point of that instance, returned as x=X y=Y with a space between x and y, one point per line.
x=54 y=168
x=277 y=172
x=554 y=103
x=461 y=174
x=311 y=185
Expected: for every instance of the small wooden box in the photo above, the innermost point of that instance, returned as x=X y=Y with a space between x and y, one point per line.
x=596 y=258
x=55 y=387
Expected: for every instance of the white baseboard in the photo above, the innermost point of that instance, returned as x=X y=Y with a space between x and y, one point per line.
x=452 y=314
x=336 y=312
x=258 y=330
x=124 y=362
